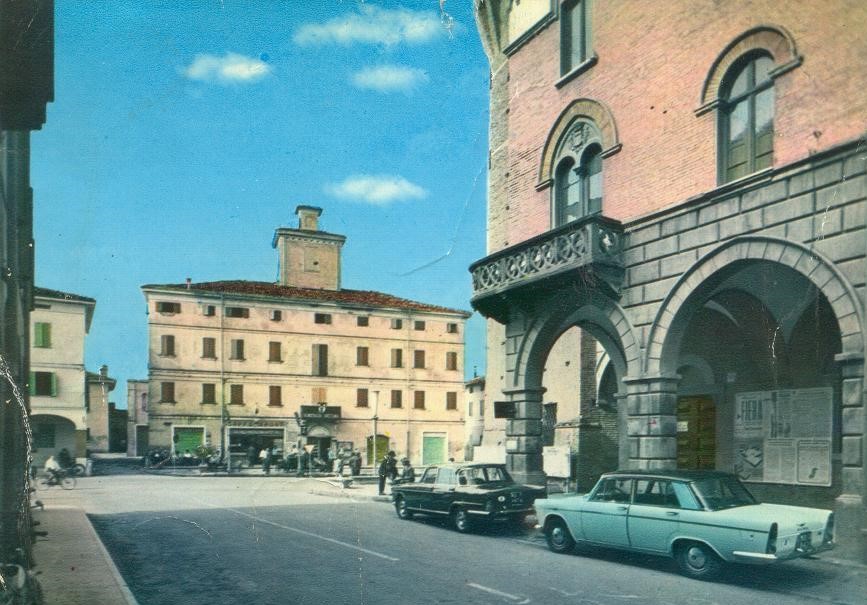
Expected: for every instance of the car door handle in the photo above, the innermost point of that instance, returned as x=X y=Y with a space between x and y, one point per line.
x=672 y=513
x=622 y=508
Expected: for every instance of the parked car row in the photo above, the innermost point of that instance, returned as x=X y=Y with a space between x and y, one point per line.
x=702 y=519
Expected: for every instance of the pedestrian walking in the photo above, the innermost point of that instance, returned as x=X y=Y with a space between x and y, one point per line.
x=266 y=460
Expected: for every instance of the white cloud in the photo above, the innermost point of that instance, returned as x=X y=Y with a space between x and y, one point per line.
x=375 y=25
x=389 y=78
x=232 y=68
x=378 y=190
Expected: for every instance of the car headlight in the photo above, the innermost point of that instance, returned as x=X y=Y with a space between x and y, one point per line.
x=829 y=530
x=501 y=498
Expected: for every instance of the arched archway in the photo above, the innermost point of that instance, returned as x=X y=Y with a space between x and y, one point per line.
x=776 y=327
x=53 y=433
x=532 y=337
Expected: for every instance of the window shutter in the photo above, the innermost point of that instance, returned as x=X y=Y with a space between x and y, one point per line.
x=53 y=384
x=32 y=383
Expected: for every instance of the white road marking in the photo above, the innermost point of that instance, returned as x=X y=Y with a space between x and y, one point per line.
x=310 y=534
x=505 y=595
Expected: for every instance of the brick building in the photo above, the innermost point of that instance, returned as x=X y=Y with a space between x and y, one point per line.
x=231 y=363
x=684 y=182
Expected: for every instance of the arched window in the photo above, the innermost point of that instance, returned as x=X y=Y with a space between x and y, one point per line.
x=747 y=118
x=578 y=175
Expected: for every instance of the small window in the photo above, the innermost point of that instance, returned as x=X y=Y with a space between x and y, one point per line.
x=655 y=492
x=168 y=307
x=167 y=345
x=418 y=326
x=209 y=393
x=452 y=328
x=275 y=395
x=451 y=400
x=209 y=310
x=320 y=360
x=397 y=358
x=362 y=321
x=418 y=401
x=322 y=318
x=275 y=351
x=418 y=359
x=430 y=475
x=236 y=394
x=362 y=356
x=237 y=349
x=42 y=335
x=167 y=392
x=43 y=384
x=613 y=490
x=481 y=407
x=396 y=398
x=396 y=324
x=361 y=398
x=276 y=315
x=241 y=312
x=451 y=360
x=573 y=35
x=469 y=408
x=209 y=348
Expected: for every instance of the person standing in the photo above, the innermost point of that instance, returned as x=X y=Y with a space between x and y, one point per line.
x=266 y=461
x=387 y=470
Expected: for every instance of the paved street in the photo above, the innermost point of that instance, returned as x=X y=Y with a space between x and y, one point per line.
x=258 y=540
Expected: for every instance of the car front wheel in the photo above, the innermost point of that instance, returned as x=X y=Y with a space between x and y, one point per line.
x=698 y=561
x=461 y=520
x=558 y=537
x=402 y=511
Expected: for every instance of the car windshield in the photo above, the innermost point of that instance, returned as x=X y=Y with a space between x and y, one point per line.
x=477 y=475
x=723 y=492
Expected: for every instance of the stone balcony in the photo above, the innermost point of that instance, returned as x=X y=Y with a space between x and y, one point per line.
x=587 y=251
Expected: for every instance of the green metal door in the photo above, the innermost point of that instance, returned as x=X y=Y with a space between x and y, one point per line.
x=433 y=449
x=188 y=439
x=381 y=449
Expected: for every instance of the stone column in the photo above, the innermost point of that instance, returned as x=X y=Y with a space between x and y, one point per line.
x=850 y=508
x=524 y=436
x=651 y=422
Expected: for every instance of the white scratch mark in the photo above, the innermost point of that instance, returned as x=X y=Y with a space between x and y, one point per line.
x=515 y=598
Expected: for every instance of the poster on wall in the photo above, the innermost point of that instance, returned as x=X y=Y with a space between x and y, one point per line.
x=784 y=436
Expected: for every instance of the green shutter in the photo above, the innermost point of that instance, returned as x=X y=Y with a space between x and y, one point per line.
x=53 y=384
x=32 y=383
x=42 y=335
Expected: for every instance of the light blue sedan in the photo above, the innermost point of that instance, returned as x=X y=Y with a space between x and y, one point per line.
x=701 y=518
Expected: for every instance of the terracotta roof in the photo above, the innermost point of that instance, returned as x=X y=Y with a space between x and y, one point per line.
x=365 y=298
x=45 y=292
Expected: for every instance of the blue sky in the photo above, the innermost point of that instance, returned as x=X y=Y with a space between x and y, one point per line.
x=183 y=133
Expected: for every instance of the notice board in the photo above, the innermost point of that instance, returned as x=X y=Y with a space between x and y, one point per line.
x=784 y=436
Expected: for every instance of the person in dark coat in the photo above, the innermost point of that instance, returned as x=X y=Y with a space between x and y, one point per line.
x=387 y=470
x=252 y=455
x=407 y=475
x=355 y=463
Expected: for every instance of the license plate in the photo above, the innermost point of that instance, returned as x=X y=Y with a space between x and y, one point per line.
x=804 y=543
x=516 y=499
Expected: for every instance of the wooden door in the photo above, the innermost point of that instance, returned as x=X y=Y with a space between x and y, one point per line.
x=696 y=432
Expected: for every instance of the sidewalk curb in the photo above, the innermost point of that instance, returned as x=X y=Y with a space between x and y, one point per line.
x=347 y=493
x=125 y=592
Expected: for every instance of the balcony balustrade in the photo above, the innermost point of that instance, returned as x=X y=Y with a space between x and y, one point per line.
x=585 y=249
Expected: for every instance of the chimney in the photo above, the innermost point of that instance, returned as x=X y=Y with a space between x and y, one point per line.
x=308 y=217
x=103 y=371
x=189 y=283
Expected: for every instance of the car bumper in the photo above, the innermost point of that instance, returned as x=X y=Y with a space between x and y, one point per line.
x=794 y=553
x=500 y=515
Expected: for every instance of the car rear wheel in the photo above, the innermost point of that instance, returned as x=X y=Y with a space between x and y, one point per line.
x=698 y=561
x=558 y=537
x=400 y=507
x=461 y=520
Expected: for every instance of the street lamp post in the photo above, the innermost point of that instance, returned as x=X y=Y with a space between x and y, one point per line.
x=375 y=420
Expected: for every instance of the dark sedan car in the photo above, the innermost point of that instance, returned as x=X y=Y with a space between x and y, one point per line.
x=466 y=493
